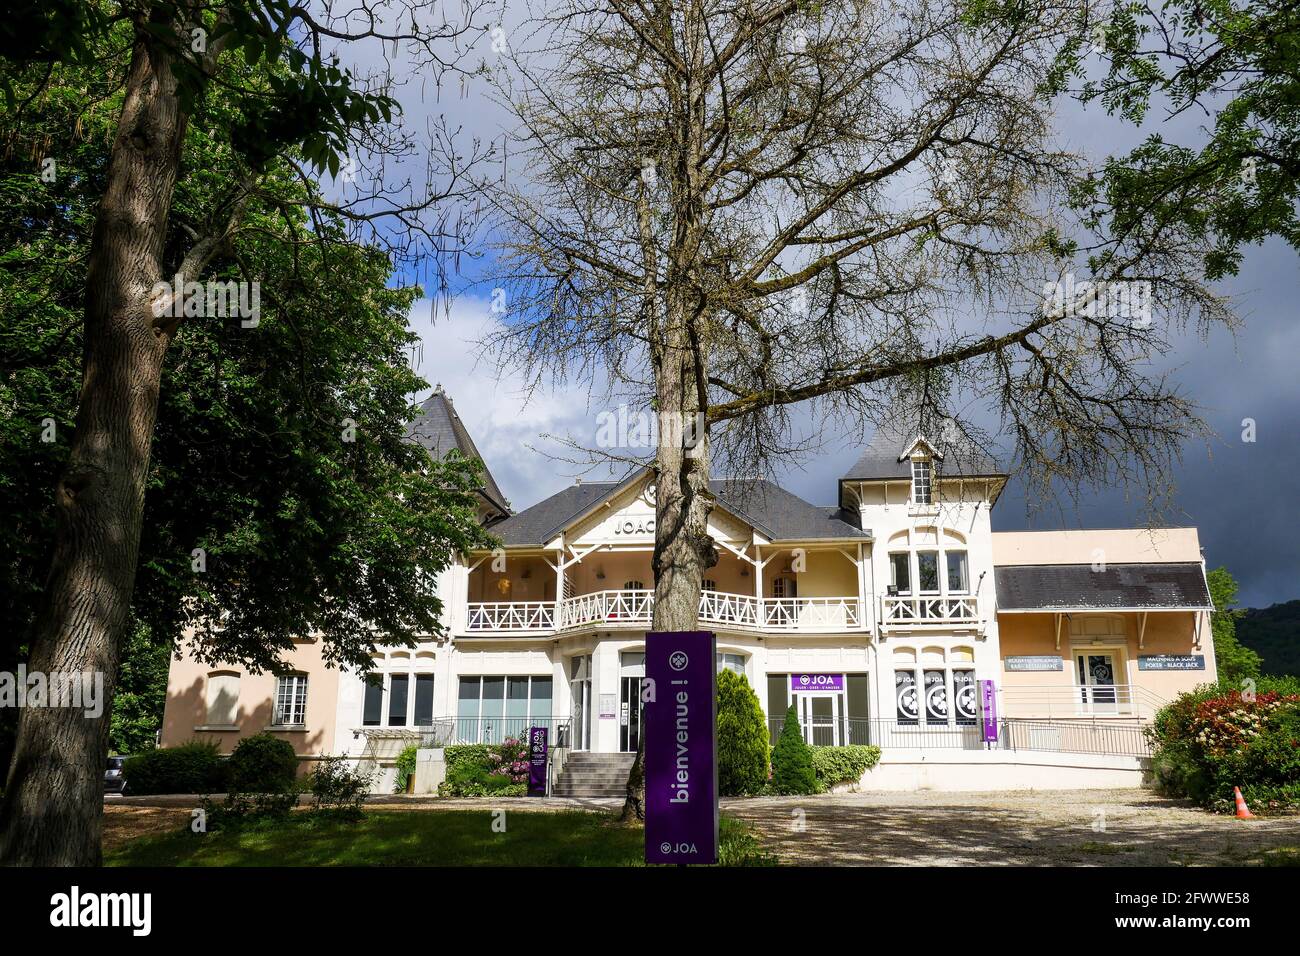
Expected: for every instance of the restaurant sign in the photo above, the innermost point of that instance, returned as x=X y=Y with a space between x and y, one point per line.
x=1033 y=662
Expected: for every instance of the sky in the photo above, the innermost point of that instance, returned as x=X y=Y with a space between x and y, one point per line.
x=1241 y=495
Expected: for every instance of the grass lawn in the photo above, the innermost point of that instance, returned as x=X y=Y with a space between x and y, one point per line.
x=419 y=838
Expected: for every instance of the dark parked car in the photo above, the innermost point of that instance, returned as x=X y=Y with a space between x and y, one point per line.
x=114 y=778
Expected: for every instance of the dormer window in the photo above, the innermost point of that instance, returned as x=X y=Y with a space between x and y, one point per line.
x=921 y=481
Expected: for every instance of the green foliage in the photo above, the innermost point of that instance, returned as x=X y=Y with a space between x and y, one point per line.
x=339 y=788
x=480 y=770
x=1215 y=738
x=141 y=693
x=300 y=531
x=737 y=846
x=743 y=738
x=405 y=768
x=1239 y=63
x=1274 y=633
x=263 y=763
x=834 y=765
x=792 y=766
x=1235 y=662
x=194 y=767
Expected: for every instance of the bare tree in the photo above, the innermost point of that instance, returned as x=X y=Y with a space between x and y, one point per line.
x=302 y=109
x=856 y=204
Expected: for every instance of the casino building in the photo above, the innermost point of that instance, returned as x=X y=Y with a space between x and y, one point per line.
x=877 y=617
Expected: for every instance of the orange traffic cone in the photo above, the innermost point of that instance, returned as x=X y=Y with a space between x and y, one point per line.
x=1243 y=811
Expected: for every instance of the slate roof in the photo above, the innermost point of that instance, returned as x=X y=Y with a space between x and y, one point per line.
x=439 y=429
x=774 y=511
x=879 y=460
x=1077 y=587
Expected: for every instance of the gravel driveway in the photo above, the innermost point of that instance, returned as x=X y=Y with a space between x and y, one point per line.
x=1031 y=828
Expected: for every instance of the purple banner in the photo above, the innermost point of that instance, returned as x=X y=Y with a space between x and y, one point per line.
x=988 y=711
x=816 y=681
x=680 y=726
x=537 y=759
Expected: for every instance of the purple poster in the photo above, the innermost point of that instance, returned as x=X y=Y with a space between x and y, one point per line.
x=988 y=711
x=680 y=726
x=537 y=754
x=816 y=681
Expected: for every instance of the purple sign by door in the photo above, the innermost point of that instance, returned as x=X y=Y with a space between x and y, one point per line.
x=816 y=681
x=680 y=727
x=537 y=759
x=988 y=711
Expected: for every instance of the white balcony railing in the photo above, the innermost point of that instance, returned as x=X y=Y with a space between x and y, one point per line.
x=921 y=611
x=615 y=608
x=812 y=614
x=512 y=616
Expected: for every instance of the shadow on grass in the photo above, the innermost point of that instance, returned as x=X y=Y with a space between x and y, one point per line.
x=415 y=838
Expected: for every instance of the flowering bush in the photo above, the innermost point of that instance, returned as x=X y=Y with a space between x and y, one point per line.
x=509 y=759
x=1213 y=739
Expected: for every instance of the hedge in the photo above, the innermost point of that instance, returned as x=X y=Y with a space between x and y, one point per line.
x=481 y=770
x=195 y=767
x=835 y=765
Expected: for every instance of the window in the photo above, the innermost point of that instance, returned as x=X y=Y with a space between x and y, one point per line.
x=732 y=662
x=423 y=700
x=489 y=709
x=784 y=588
x=927 y=570
x=958 y=579
x=222 y=699
x=633 y=586
x=399 y=686
x=291 y=700
x=900 y=571
x=710 y=584
x=373 y=708
x=921 y=485
x=947 y=696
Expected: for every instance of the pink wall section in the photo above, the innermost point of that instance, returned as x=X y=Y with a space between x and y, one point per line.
x=186 y=708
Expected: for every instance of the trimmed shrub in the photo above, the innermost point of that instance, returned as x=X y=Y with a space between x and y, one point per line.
x=742 y=737
x=195 y=767
x=792 y=768
x=835 y=765
x=263 y=764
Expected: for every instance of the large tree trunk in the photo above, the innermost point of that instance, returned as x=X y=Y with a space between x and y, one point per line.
x=683 y=548
x=54 y=796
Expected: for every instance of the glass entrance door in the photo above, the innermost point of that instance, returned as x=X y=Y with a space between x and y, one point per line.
x=819 y=718
x=629 y=714
x=1096 y=672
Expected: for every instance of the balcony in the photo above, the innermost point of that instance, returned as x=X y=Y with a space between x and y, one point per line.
x=915 y=613
x=633 y=608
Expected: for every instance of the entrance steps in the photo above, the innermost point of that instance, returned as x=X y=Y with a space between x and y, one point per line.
x=593 y=775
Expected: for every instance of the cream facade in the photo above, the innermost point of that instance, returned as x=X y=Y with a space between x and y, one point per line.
x=879 y=619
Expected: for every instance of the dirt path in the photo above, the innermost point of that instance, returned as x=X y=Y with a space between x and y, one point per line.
x=1046 y=828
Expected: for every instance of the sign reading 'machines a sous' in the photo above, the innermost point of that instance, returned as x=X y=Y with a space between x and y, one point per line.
x=679 y=721
x=1171 y=662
